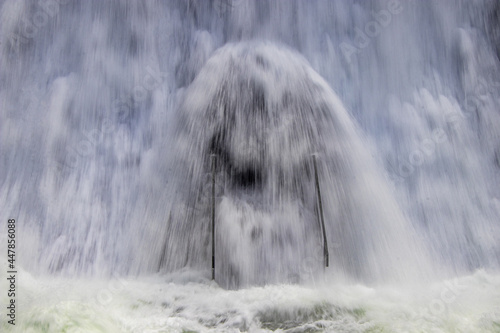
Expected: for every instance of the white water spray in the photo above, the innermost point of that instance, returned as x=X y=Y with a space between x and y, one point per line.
x=110 y=110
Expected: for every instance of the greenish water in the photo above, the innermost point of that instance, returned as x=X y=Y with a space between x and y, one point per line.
x=158 y=304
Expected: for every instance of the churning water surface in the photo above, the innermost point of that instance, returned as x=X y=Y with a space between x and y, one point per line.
x=124 y=122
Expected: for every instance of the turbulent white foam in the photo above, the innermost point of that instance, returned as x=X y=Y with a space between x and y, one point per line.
x=88 y=116
x=189 y=302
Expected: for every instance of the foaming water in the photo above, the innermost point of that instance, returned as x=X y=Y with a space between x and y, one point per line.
x=187 y=301
x=111 y=111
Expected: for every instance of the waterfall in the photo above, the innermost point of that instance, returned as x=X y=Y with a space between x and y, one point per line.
x=262 y=112
x=112 y=113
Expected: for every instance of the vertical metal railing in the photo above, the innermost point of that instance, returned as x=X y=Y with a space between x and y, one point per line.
x=320 y=213
x=213 y=215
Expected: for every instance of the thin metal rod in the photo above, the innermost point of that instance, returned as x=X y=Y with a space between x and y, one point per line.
x=321 y=216
x=213 y=215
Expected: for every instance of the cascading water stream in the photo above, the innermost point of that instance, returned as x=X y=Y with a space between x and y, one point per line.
x=110 y=112
x=262 y=111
